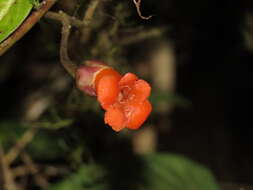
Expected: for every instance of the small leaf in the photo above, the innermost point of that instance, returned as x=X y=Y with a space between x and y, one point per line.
x=12 y=14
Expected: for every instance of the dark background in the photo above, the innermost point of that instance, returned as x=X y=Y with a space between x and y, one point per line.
x=215 y=73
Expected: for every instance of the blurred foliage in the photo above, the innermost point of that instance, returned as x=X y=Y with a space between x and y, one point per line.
x=87 y=177
x=159 y=171
x=158 y=97
x=10 y=132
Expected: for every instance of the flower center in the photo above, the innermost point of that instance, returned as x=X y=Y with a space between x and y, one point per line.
x=125 y=94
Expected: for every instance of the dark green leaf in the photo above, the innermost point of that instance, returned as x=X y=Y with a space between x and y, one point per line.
x=168 y=171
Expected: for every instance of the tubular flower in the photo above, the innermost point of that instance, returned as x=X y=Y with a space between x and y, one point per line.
x=124 y=98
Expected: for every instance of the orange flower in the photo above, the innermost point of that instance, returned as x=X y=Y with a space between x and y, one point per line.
x=123 y=97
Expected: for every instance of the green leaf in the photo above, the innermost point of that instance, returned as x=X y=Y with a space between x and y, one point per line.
x=5 y=6
x=169 y=171
x=12 y=14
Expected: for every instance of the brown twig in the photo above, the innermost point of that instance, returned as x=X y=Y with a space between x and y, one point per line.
x=65 y=60
x=67 y=23
x=85 y=32
x=138 y=8
x=20 y=171
x=39 y=179
x=20 y=145
x=26 y=26
x=54 y=171
x=48 y=171
x=59 y=17
x=141 y=35
x=8 y=180
x=90 y=11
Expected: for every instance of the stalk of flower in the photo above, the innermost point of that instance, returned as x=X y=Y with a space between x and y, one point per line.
x=124 y=98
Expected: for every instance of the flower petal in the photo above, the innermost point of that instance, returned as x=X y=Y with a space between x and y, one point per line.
x=106 y=72
x=141 y=90
x=107 y=90
x=127 y=79
x=137 y=114
x=115 y=117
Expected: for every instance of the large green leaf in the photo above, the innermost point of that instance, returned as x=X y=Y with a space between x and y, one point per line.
x=12 y=14
x=5 y=6
x=168 y=171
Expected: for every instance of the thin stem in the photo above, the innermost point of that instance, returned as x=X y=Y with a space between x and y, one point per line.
x=85 y=32
x=138 y=8
x=65 y=60
x=67 y=22
x=20 y=145
x=39 y=179
x=59 y=17
x=7 y=178
x=90 y=11
x=139 y=36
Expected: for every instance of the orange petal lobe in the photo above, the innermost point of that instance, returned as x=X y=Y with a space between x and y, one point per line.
x=127 y=79
x=141 y=91
x=115 y=117
x=138 y=113
x=106 y=72
x=107 y=90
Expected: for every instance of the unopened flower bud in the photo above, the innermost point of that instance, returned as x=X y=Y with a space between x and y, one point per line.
x=86 y=75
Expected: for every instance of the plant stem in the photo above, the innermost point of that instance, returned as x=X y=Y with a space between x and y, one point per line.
x=65 y=60
x=89 y=13
x=7 y=182
x=138 y=8
x=59 y=17
x=20 y=145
